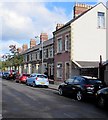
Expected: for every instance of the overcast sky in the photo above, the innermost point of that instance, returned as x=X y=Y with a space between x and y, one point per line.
x=22 y=20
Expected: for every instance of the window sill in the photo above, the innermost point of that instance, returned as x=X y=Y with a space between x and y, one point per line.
x=59 y=52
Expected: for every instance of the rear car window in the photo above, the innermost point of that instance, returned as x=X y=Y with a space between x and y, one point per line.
x=41 y=76
x=92 y=81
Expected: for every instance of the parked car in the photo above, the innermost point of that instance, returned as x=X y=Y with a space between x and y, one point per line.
x=102 y=98
x=23 y=78
x=1 y=73
x=11 y=74
x=80 y=86
x=37 y=79
x=5 y=75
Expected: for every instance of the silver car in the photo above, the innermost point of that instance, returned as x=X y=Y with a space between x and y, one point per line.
x=37 y=79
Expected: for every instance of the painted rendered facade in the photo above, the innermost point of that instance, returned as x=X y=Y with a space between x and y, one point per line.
x=89 y=41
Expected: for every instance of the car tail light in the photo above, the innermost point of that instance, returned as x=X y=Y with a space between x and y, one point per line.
x=36 y=78
x=47 y=80
x=88 y=85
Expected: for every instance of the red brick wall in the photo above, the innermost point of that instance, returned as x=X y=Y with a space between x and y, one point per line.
x=60 y=57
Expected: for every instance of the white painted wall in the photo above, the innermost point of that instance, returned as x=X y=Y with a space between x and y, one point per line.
x=89 y=42
x=107 y=33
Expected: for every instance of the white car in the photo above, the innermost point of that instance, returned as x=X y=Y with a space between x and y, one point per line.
x=37 y=79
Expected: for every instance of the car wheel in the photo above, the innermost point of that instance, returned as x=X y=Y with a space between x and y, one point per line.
x=101 y=102
x=26 y=83
x=19 y=81
x=33 y=84
x=60 y=91
x=79 y=96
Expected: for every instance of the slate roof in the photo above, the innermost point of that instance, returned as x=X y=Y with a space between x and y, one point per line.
x=105 y=63
x=88 y=64
x=45 y=43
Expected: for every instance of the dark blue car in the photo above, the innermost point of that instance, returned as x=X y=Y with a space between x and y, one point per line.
x=102 y=98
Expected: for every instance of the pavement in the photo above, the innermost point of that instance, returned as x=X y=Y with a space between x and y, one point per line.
x=54 y=85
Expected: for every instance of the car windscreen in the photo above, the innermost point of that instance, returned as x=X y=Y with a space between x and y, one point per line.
x=41 y=76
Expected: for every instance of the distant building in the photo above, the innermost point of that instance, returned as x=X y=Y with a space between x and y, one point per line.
x=82 y=39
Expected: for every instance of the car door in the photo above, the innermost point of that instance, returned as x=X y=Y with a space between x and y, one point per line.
x=76 y=84
x=30 y=79
x=68 y=86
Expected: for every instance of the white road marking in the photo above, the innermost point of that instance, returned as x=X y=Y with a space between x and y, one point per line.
x=69 y=116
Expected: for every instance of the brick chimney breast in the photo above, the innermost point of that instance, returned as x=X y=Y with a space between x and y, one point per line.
x=43 y=37
x=80 y=8
x=32 y=43
x=24 y=47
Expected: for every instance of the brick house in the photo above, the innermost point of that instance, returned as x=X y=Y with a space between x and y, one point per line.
x=82 y=39
x=32 y=57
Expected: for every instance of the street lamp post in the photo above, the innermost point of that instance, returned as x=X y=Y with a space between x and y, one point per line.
x=42 y=56
x=41 y=41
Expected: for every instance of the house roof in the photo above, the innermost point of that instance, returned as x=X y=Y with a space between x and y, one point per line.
x=72 y=20
x=45 y=43
x=88 y=64
x=105 y=63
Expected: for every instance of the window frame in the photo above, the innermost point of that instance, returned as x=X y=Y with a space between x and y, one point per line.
x=59 y=70
x=59 y=45
x=101 y=20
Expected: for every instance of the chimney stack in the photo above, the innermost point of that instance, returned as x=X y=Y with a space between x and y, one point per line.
x=80 y=8
x=59 y=26
x=19 y=50
x=32 y=43
x=24 y=47
x=43 y=37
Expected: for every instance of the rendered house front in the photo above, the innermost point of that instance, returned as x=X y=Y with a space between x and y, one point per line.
x=89 y=35
x=86 y=40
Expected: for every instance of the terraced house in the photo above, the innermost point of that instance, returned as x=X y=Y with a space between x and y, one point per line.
x=39 y=58
x=79 y=43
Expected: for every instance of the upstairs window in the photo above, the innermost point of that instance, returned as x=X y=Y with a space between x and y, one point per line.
x=45 y=53
x=38 y=55
x=27 y=57
x=66 y=42
x=101 y=20
x=51 y=52
x=59 y=45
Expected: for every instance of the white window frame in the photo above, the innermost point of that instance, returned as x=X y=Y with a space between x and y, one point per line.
x=101 y=20
x=66 y=42
x=59 y=48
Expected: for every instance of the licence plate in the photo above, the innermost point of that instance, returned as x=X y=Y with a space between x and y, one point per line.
x=42 y=83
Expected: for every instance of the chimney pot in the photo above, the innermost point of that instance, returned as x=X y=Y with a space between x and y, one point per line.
x=80 y=8
x=32 y=43
x=24 y=47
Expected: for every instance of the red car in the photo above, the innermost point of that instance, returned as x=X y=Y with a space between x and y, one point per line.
x=23 y=78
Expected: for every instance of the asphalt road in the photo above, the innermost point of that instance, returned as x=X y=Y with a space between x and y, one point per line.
x=21 y=101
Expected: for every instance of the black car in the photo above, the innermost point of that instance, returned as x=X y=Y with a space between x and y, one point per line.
x=80 y=86
x=102 y=98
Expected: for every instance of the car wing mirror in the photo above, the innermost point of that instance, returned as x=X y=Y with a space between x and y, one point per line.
x=66 y=82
